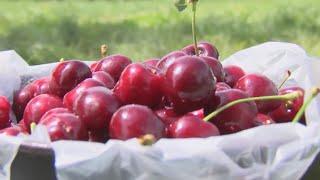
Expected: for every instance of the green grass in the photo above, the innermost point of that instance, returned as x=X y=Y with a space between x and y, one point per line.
x=46 y=31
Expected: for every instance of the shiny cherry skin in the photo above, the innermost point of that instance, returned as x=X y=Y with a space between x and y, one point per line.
x=232 y=74
x=12 y=131
x=71 y=96
x=263 y=119
x=104 y=78
x=236 y=118
x=95 y=106
x=133 y=121
x=168 y=59
x=113 y=65
x=190 y=126
x=167 y=115
x=67 y=75
x=215 y=66
x=221 y=86
x=21 y=99
x=259 y=85
x=151 y=62
x=199 y=113
x=205 y=49
x=287 y=110
x=139 y=85
x=4 y=112
x=189 y=82
x=42 y=86
x=64 y=126
x=38 y=106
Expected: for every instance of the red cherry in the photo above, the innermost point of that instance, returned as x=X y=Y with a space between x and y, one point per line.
x=104 y=78
x=205 y=49
x=263 y=119
x=168 y=59
x=138 y=85
x=215 y=66
x=189 y=83
x=63 y=125
x=71 y=96
x=95 y=107
x=132 y=121
x=4 y=112
x=287 y=110
x=151 y=62
x=221 y=86
x=113 y=65
x=41 y=86
x=21 y=99
x=39 y=105
x=167 y=115
x=259 y=85
x=192 y=127
x=12 y=131
x=236 y=118
x=67 y=75
x=233 y=74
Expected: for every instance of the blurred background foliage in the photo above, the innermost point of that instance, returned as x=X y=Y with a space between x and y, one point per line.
x=45 y=31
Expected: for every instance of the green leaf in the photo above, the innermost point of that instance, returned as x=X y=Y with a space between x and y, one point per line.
x=181 y=4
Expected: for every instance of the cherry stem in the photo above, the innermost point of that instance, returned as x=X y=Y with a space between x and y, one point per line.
x=147 y=140
x=194 y=34
x=103 y=50
x=32 y=127
x=284 y=97
x=288 y=74
x=61 y=60
x=314 y=93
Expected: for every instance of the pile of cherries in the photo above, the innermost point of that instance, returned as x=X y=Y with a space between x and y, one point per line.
x=115 y=98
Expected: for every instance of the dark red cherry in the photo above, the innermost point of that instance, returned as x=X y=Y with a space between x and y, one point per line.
x=67 y=75
x=21 y=99
x=113 y=65
x=4 y=112
x=12 y=131
x=233 y=74
x=58 y=110
x=259 y=85
x=133 y=121
x=98 y=136
x=104 y=78
x=189 y=82
x=236 y=118
x=215 y=66
x=71 y=96
x=39 y=105
x=138 y=85
x=41 y=86
x=287 y=110
x=64 y=126
x=263 y=119
x=168 y=59
x=221 y=86
x=205 y=49
x=151 y=62
x=167 y=115
x=190 y=126
x=95 y=107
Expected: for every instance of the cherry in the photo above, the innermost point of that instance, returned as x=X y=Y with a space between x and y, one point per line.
x=41 y=86
x=39 y=105
x=259 y=85
x=190 y=126
x=71 y=96
x=287 y=110
x=168 y=59
x=167 y=115
x=21 y=99
x=263 y=119
x=104 y=78
x=67 y=75
x=113 y=65
x=236 y=118
x=12 y=131
x=233 y=74
x=199 y=113
x=205 y=49
x=4 y=112
x=138 y=85
x=132 y=121
x=22 y=125
x=95 y=107
x=221 y=86
x=189 y=82
x=93 y=66
x=215 y=66
x=63 y=125
x=151 y=62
